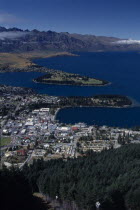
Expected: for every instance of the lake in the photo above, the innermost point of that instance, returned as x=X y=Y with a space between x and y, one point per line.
x=121 y=69
x=117 y=117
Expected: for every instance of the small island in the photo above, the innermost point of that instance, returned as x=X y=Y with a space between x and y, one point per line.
x=64 y=78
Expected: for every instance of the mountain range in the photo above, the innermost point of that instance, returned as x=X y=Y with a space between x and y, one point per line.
x=18 y=40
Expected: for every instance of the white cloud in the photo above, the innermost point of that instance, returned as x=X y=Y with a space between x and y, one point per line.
x=6 y=18
x=12 y=35
x=127 y=41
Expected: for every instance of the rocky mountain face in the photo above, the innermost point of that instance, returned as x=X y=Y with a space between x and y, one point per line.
x=14 y=39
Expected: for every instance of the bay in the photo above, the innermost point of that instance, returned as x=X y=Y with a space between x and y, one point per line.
x=121 y=69
x=113 y=117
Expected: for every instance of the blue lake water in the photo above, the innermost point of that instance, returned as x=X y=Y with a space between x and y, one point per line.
x=119 y=117
x=121 y=69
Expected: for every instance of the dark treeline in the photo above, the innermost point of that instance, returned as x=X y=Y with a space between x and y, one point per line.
x=111 y=177
x=16 y=192
x=98 y=100
x=119 y=100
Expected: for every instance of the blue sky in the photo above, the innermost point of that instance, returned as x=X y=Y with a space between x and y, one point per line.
x=120 y=18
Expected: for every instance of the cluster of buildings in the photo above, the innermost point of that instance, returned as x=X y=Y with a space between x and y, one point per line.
x=36 y=134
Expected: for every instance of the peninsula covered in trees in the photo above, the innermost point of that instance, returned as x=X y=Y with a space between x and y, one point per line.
x=115 y=101
x=97 y=100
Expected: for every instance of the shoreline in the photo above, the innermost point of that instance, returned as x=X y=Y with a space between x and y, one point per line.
x=57 y=109
x=112 y=107
x=92 y=107
x=126 y=101
x=26 y=64
x=56 y=112
x=51 y=83
x=57 y=54
x=29 y=65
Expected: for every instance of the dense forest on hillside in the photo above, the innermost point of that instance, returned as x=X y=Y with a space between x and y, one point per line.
x=16 y=193
x=110 y=177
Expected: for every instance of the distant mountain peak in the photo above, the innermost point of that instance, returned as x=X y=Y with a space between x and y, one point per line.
x=2 y=29
x=15 y=39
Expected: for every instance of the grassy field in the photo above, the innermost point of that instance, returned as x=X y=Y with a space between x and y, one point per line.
x=24 y=60
x=5 y=141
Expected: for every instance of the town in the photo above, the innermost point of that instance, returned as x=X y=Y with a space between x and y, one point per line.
x=29 y=130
